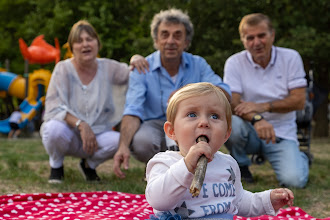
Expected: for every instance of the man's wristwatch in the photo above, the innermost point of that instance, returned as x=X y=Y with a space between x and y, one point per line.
x=255 y=118
x=78 y=123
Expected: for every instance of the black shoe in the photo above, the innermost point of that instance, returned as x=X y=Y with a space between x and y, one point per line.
x=246 y=174
x=88 y=173
x=56 y=175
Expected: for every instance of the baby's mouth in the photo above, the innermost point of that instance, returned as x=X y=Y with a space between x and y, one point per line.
x=202 y=138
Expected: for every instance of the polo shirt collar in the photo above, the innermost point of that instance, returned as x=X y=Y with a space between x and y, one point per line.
x=272 y=58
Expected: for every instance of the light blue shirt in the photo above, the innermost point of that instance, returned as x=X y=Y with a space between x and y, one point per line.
x=148 y=93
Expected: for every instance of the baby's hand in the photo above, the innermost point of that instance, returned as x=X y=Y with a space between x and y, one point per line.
x=195 y=152
x=281 y=197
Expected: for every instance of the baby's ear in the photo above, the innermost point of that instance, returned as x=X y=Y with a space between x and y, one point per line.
x=169 y=130
x=227 y=135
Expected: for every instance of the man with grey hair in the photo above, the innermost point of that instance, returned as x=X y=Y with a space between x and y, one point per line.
x=170 y=68
x=268 y=86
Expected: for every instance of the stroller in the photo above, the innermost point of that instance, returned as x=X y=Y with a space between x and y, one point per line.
x=304 y=120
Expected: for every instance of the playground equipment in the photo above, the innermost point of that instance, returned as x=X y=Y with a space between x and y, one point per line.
x=68 y=53
x=33 y=89
x=40 y=51
x=15 y=85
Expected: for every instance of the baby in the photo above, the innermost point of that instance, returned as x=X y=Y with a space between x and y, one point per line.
x=201 y=109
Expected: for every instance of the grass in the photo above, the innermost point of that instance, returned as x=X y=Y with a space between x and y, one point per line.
x=24 y=168
x=315 y=197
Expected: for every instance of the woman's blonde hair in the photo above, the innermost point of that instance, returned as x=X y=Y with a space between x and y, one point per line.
x=194 y=90
x=76 y=30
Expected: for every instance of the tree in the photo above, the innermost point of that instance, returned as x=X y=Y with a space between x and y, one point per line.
x=123 y=27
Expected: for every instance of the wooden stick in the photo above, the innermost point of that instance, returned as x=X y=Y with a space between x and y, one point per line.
x=198 y=180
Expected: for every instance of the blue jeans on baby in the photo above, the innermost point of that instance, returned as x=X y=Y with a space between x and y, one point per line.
x=289 y=163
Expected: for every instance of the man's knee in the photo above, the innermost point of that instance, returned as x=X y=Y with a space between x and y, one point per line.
x=143 y=148
x=292 y=178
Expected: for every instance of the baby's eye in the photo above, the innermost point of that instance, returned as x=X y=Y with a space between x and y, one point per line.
x=214 y=116
x=191 y=114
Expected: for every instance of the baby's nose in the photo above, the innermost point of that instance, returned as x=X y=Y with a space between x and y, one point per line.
x=204 y=122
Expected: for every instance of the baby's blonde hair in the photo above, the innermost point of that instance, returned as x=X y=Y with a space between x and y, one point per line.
x=194 y=90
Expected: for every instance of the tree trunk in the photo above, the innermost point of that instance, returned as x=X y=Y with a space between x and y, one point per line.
x=321 y=98
x=321 y=128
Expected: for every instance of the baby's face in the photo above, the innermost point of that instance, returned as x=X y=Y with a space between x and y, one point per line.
x=201 y=115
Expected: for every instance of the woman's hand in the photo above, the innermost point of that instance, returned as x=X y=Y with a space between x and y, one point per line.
x=88 y=138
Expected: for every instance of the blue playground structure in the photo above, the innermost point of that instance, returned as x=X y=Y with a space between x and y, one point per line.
x=14 y=85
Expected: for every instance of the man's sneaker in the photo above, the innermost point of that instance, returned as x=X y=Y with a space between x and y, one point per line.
x=246 y=174
x=88 y=173
x=56 y=175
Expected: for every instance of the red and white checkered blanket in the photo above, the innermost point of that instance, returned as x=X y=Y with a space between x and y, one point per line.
x=99 y=205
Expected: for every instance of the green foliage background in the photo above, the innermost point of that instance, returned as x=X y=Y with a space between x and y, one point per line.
x=123 y=26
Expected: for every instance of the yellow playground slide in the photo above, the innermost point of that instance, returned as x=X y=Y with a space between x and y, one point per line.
x=15 y=85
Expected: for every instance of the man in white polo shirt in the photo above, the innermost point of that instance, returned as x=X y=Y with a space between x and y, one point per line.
x=268 y=85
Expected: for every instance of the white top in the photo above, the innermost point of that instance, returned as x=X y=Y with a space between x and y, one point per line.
x=15 y=117
x=222 y=192
x=284 y=72
x=100 y=103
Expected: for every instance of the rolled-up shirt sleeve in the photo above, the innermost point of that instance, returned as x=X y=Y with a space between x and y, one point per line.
x=296 y=71
x=135 y=96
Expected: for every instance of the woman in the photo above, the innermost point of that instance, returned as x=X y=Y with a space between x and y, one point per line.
x=84 y=102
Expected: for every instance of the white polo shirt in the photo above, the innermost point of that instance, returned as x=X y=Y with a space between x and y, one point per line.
x=284 y=72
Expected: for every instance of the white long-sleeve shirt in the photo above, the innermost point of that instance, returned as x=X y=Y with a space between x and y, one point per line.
x=222 y=193
x=100 y=103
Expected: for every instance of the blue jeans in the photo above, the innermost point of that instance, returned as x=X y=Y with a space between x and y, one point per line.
x=289 y=163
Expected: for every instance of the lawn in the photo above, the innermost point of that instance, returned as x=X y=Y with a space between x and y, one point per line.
x=24 y=168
